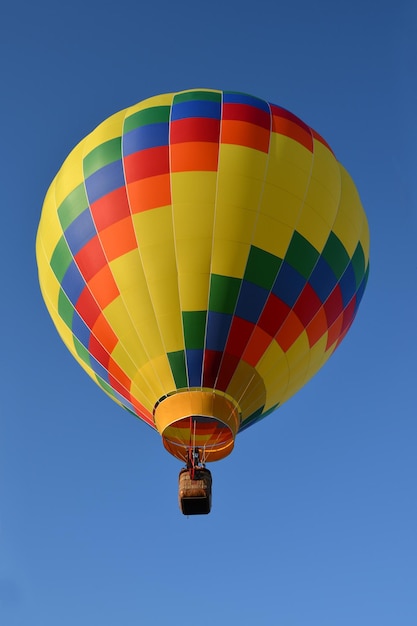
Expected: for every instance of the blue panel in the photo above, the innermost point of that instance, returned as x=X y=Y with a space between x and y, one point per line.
x=105 y=180
x=126 y=403
x=194 y=360
x=348 y=284
x=322 y=279
x=252 y=299
x=234 y=97
x=144 y=137
x=81 y=331
x=99 y=369
x=73 y=283
x=80 y=232
x=289 y=284
x=195 y=108
x=218 y=326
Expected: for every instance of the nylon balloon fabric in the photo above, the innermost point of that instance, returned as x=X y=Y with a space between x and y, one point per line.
x=202 y=254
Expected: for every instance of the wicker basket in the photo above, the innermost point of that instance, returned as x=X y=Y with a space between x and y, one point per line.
x=194 y=494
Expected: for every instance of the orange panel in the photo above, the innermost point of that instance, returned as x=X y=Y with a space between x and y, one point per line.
x=103 y=287
x=258 y=343
x=150 y=193
x=317 y=327
x=104 y=334
x=118 y=239
x=194 y=156
x=245 y=134
x=289 y=331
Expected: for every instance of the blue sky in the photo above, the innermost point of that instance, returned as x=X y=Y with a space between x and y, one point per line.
x=314 y=515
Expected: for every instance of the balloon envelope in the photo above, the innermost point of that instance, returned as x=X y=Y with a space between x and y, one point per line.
x=202 y=254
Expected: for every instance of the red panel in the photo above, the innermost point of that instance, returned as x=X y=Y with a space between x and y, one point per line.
x=110 y=208
x=307 y=305
x=146 y=163
x=333 y=305
x=90 y=259
x=87 y=308
x=195 y=129
x=246 y=113
x=239 y=335
x=98 y=352
x=274 y=315
x=212 y=360
x=227 y=369
x=349 y=314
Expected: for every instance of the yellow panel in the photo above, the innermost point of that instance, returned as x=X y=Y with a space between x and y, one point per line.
x=70 y=175
x=273 y=369
x=282 y=205
x=284 y=149
x=164 y=294
x=128 y=274
x=118 y=318
x=272 y=235
x=194 y=255
x=194 y=289
x=50 y=230
x=229 y=257
x=193 y=220
x=193 y=188
x=235 y=190
x=123 y=360
x=159 y=377
x=154 y=226
x=247 y=388
x=312 y=226
x=296 y=353
x=234 y=223
x=241 y=161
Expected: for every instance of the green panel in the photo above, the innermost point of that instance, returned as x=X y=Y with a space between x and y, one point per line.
x=82 y=351
x=197 y=95
x=301 y=255
x=335 y=254
x=262 y=268
x=105 y=385
x=358 y=262
x=105 y=153
x=224 y=292
x=177 y=363
x=65 y=309
x=61 y=259
x=194 y=323
x=74 y=204
x=154 y=115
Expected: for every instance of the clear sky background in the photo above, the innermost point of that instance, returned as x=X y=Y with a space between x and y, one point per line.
x=314 y=519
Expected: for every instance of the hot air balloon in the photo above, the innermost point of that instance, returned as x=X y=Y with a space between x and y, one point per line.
x=202 y=254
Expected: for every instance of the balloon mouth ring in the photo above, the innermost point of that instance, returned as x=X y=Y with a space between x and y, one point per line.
x=198 y=418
